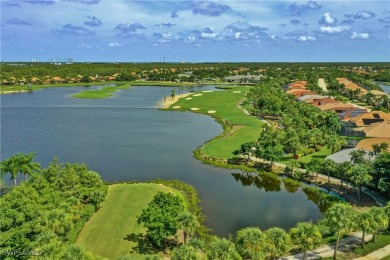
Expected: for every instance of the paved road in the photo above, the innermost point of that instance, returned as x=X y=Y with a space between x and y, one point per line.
x=346 y=244
x=377 y=255
x=322 y=84
x=378 y=199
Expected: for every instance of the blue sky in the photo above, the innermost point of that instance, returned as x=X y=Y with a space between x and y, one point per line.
x=195 y=31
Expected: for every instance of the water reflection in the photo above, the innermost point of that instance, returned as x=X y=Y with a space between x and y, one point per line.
x=267 y=182
x=270 y=183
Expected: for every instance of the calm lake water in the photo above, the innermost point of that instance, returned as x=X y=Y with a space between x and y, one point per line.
x=385 y=87
x=126 y=138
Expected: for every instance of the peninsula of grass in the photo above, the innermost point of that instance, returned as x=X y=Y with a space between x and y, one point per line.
x=103 y=92
x=239 y=128
x=113 y=231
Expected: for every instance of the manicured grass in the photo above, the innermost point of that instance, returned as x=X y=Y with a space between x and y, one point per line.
x=321 y=154
x=225 y=102
x=381 y=240
x=113 y=231
x=103 y=92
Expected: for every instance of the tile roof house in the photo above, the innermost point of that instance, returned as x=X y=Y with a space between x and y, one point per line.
x=350 y=85
x=300 y=92
x=367 y=143
x=370 y=118
x=324 y=101
x=345 y=155
x=307 y=97
x=336 y=107
x=298 y=85
x=352 y=112
x=381 y=129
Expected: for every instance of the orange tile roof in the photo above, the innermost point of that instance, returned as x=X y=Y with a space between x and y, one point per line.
x=366 y=144
x=334 y=106
x=350 y=85
x=381 y=129
x=359 y=120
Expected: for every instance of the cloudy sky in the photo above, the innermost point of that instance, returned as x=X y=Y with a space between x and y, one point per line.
x=195 y=31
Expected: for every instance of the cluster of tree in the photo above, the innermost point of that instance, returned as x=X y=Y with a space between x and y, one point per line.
x=252 y=242
x=163 y=217
x=195 y=72
x=301 y=127
x=44 y=214
x=362 y=170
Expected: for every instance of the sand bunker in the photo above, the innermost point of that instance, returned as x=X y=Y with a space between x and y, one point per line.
x=197 y=95
x=236 y=91
x=188 y=98
x=211 y=111
x=207 y=91
x=176 y=107
x=194 y=108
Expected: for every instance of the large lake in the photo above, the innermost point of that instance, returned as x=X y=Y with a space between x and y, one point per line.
x=126 y=137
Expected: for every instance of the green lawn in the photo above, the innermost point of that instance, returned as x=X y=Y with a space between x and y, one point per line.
x=113 y=230
x=225 y=104
x=103 y=92
x=321 y=154
x=381 y=240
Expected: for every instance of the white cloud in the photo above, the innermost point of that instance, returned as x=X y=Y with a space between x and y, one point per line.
x=360 y=35
x=334 y=29
x=114 y=44
x=327 y=19
x=84 y=46
x=304 y=38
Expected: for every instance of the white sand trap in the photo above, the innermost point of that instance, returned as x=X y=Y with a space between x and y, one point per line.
x=237 y=91
x=176 y=107
x=197 y=95
x=189 y=98
x=211 y=111
x=194 y=108
x=207 y=91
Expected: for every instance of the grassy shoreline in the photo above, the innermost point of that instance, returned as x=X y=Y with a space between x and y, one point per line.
x=103 y=92
x=113 y=231
x=238 y=128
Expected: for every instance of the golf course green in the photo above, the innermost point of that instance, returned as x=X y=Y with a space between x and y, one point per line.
x=224 y=106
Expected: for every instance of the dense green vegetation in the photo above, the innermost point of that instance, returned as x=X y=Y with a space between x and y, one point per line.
x=44 y=214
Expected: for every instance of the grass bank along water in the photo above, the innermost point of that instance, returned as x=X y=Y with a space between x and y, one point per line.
x=102 y=92
x=113 y=231
x=222 y=105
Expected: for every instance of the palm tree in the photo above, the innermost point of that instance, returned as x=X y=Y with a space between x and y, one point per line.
x=278 y=242
x=188 y=224
x=221 y=248
x=387 y=212
x=342 y=170
x=11 y=165
x=27 y=166
x=328 y=167
x=339 y=218
x=364 y=222
x=250 y=243
x=307 y=235
x=360 y=175
x=380 y=220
